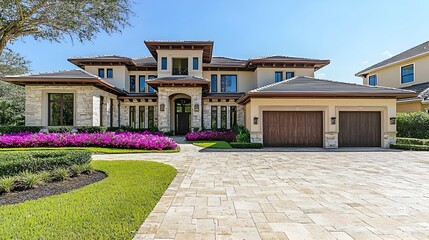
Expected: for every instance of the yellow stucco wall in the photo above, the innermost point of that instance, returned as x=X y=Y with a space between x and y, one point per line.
x=411 y=107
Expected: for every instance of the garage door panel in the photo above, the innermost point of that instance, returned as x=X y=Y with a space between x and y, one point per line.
x=293 y=129
x=359 y=129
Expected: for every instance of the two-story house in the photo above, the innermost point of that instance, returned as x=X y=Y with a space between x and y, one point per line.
x=183 y=88
x=407 y=70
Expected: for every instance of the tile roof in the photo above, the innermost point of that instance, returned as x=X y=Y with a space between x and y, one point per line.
x=422 y=89
x=226 y=62
x=68 y=74
x=410 y=53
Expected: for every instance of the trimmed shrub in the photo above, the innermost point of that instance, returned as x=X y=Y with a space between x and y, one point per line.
x=14 y=163
x=410 y=147
x=17 y=129
x=412 y=141
x=245 y=145
x=134 y=130
x=228 y=136
x=80 y=129
x=413 y=125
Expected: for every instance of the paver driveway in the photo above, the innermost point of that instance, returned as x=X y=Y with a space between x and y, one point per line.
x=291 y=195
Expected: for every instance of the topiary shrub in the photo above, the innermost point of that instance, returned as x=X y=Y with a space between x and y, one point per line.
x=18 y=129
x=410 y=147
x=245 y=145
x=412 y=141
x=413 y=125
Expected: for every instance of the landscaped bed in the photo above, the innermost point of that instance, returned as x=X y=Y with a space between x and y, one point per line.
x=113 y=208
x=223 y=139
x=414 y=144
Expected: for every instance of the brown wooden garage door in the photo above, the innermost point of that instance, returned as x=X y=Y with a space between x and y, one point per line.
x=359 y=129
x=293 y=129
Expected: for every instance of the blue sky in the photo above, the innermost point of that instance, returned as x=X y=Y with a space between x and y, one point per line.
x=352 y=34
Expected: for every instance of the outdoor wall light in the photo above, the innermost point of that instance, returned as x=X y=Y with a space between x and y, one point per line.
x=333 y=120
x=162 y=107
x=196 y=107
x=392 y=121
x=255 y=120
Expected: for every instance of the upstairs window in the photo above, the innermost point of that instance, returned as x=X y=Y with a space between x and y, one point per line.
x=214 y=83
x=195 y=63
x=407 y=73
x=290 y=75
x=101 y=72
x=228 y=83
x=278 y=76
x=373 y=80
x=151 y=77
x=142 y=83
x=180 y=66
x=109 y=73
x=132 y=83
x=163 y=63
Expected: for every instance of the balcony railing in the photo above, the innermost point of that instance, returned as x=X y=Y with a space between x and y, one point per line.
x=180 y=71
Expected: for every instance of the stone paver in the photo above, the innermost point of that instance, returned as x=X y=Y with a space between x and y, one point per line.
x=291 y=195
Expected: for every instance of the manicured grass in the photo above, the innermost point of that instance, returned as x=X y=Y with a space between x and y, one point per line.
x=212 y=144
x=113 y=208
x=93 y=150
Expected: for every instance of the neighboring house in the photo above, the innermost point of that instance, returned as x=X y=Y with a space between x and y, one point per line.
x=183 y=88
x=408 y=70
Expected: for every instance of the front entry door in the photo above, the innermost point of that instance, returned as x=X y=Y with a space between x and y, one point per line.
x=183 y=115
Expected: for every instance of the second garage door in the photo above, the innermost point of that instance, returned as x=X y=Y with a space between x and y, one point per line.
x=293 y=129
x=360 y=129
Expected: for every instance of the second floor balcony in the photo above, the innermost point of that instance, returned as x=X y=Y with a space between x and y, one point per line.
x=180 y=71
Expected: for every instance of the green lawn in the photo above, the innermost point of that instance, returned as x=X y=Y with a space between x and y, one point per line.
x=93 y=149
x=212 y=144
x=113 y=208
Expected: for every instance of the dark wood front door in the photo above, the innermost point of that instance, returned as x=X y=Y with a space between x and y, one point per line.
x=293 y=129
x=182 y=115
x=359 y=129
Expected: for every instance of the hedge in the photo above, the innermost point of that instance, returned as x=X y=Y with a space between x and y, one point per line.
x=410 y=147
x=13 y=163
x=413 y=125
x=31 y=129
x=245 y=145
x=412 y=141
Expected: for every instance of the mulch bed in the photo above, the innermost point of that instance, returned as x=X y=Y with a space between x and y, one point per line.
x=52 y=188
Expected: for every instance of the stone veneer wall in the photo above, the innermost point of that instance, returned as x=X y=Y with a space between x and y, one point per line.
x=125 y=112
x=221 y=102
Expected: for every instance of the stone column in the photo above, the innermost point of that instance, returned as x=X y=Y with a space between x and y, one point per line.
x=196 y=113
x=163 y=116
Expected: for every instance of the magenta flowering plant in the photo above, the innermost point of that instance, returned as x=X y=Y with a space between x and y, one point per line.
x=144 y=140
x=228 y=136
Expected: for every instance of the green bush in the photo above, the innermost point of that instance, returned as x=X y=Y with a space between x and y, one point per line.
x=81 y=129
x=60 y=174
x=410 y=147
x=245 y=145
x=6 y=184
x=413 y=125
x=412 y=141
x=28 y=180
x=243 y=134
x=16 y=129
x=130 y=129
x=14 y=163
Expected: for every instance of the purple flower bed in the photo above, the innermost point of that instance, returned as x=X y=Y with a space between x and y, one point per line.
x=144 y=140
x=228 y=136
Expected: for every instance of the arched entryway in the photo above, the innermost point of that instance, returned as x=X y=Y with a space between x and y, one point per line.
x=182 y=115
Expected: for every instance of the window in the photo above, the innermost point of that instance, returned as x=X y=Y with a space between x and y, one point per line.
x=133 y=116
x=223 y=117
x=142 y=83
x=278 y=76
x=151 y=88
x=228 y=83
x=61 y=109
x=214 y=118
x=233 y=116
x=407 y=73
x=163 y=63
x=180 y=66
x=111 y=112
x=373 y=80
x=101 y=110
x=141 y=116
x=101 y=72
x=290 y=75
x=214 y=83
x=151 y=117
x=195 y=63
x=132 y=83
x=109 y=73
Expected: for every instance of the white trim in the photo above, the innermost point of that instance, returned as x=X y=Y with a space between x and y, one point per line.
x=414 y=73
x=376 y=78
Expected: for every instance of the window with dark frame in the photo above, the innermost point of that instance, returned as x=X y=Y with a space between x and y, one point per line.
x=163 y=63
x=180 y=66
x=278 y=76
x=109 y=73
x=151 y=89
x=213 y=122
x=101 y=72
x=142 y=83
x=407 y=73
x=101 y=110
x=233 y=116
x=290 y=75
x=195 y=63
x=141 y=116
x=214 y=83
x=132 y=83
x=132 y=116
x=228 y=83
x=111 y=112
x=61 y=109
x=151 y=117
x=223 y=117
x=373 y=80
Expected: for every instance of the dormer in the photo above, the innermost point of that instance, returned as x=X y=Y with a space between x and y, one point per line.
x=180 y=58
